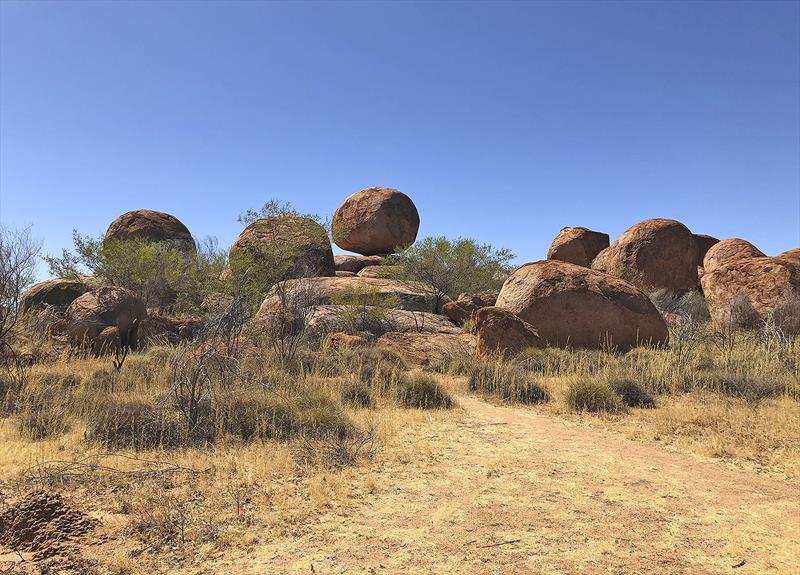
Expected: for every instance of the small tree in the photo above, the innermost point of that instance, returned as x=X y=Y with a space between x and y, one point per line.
x=161 y=274
x=452 y=267
x=19 y=253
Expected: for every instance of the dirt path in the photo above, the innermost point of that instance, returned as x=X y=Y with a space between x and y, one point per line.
x=510 y=490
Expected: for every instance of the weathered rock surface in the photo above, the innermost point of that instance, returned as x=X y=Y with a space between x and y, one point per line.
x=467 y=305
x=355 y=263
x=342 y=341
x=743 y=289
x=310 y=292
x=375 y=221
x=386 y=272
x=300 y=242
x=577 y=246
x=428 y=349
x=91 y=313
x=653 y=254
x=569 y=305
x=151 y=226
x=501 y=333
x=352 y=319
x=704 y=243
x=791 y=255
x=340 y=274
x=728 y=251
x=56 y=292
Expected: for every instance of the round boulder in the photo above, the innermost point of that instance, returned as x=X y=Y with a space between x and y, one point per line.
x=57 y=292
x=729 y=251
x=151 y=226
x=88 y=316
x=574 y=306
x=299 y=244
x=744 y=288
x=501 y=333
x=791 y=255
x=375 y=221
x=577 y=246
x=653 y=254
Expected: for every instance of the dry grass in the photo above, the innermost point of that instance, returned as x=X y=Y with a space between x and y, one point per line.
x=276 y=455
x=731 y=394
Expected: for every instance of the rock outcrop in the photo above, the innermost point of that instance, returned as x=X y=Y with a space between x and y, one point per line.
x=729 y=251
x=310 y=292
x=467 y=305
x=387 y=272
x=501 y=333
x=653 y=254
x=355 y=319
x=577 y=246
x=791 y=255
x=743 y=286
x=355 y=263
x=151 y=226
x=91 y=314
x=569 y=305
x=56 y=292
x=428 y=349
x=375 y=221
x=299 y=245
x=704 y=243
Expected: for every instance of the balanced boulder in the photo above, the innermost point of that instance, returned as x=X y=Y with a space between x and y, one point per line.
x=89 y=315
x=151 y=226
x=56 y=292
x=287 y=246
x=653 y=254
x=501 y=333
x=375 y=221
x=577 y=246
x=574 y=306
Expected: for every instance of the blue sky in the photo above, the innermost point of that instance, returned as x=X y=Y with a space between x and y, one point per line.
x=503 y=121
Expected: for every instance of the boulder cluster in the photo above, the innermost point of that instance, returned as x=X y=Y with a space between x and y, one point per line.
x=588 y=293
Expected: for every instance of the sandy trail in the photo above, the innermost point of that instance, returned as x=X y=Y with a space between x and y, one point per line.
x=510 y=490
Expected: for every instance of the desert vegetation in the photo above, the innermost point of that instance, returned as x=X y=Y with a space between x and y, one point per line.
x=187 y=401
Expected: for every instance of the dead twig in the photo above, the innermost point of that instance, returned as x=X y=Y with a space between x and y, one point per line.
x=64 y=470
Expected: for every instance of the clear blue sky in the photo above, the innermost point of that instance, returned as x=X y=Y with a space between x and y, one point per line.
x=504 y=122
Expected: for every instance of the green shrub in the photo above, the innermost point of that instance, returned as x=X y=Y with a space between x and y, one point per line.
x=632 y=393
x=423 y=391
x=592 y=395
